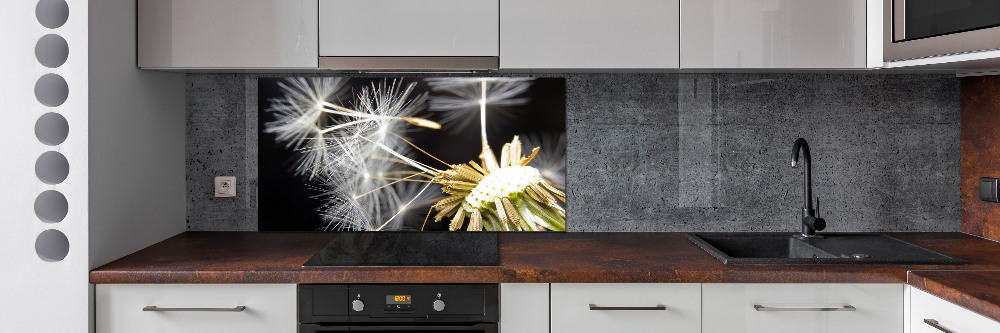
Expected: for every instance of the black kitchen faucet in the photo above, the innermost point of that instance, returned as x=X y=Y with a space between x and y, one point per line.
x=810 y=222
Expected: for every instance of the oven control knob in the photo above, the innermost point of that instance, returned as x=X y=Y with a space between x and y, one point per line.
x=438 y=305
x=358 y=305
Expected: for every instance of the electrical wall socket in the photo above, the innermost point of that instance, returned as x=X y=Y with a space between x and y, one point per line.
x=225 y=186
x=988 y=189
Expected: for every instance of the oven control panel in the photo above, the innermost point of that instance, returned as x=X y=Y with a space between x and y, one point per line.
x=419 y=299
x=398 y=303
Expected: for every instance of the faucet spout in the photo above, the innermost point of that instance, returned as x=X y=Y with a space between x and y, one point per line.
x=810 y=222
x=803 y=146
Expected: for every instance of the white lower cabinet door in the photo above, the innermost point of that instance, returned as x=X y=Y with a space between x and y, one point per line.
x=196 y=308
x=524 y=308
x=802 y=308
x=626 y=307
x=930 y=314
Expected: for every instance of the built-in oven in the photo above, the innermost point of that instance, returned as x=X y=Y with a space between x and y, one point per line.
x=927 y=28
x=389 y=308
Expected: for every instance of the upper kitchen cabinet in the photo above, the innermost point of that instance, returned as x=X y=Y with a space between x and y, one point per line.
x=408 y=34
x=220 y=34
x=582 y=34
x=780 y=34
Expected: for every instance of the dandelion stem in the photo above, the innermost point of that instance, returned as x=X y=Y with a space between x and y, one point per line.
x=426 y=218
x=404 y=172
x=482 y=112
x=340 y=110
x=394 y=160
x=334 y=128
x=396 y=180
x=421 y=150
x=409 y=161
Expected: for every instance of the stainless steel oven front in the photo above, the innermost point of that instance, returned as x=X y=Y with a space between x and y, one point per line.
x=927 y=28
x=455 y=308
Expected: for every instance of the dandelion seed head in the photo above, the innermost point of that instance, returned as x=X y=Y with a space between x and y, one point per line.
x=501 y=184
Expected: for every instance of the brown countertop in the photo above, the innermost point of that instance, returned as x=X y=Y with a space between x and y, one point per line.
x=276 y=257
x=978 y=291
x=268 y=257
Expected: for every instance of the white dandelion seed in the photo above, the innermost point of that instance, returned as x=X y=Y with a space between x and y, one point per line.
x=356 y=198
x=367 y=158
x=342 y=214
x=300 y=119
x=422 y=201
x=464 y=97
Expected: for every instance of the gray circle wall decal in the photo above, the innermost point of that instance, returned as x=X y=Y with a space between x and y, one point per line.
x=52 y=13
x=51 y=206
x=52 y=167
x=51 y=51
x=51 y=90
x=52 y=245
x=52 y=129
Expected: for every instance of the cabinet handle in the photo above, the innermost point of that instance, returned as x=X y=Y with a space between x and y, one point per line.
x=233 y=309
x=759 y=307
x=629 y=308
x=935 y=324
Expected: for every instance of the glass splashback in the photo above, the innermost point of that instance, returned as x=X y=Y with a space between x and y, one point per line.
x=411 y=154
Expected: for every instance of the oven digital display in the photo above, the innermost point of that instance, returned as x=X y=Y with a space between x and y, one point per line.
x=397 y=299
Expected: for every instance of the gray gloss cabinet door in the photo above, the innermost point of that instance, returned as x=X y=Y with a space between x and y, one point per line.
x=241 y=34
x=773 y=34
x=589 y=34
x=409 y=28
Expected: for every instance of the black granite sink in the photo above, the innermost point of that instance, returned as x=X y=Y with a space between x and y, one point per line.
x=786 y=248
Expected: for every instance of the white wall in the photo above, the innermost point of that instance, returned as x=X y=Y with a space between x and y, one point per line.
x=125 y=150
x=137 y=184
x=36 y=295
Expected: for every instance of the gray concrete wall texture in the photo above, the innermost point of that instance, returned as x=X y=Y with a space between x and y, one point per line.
x=682 y=152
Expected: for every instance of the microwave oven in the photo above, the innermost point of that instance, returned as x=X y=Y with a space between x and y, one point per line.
x=915 y=29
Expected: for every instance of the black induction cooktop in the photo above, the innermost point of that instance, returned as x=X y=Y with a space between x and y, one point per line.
x=409 y=248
